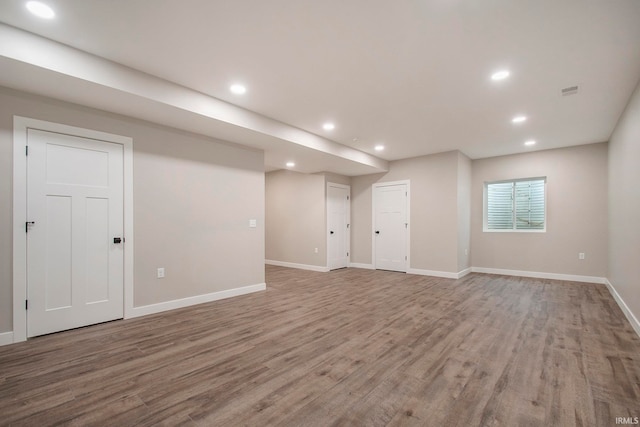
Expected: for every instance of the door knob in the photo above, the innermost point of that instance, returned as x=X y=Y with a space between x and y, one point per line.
x=331 y=232
x=117 y=240
x=377 y=232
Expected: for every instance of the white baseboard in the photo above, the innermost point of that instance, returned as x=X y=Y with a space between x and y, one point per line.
x=319 y=268
x=199 y=299
x=445 y=274
x=420 y=272
x=361 y=265
x=539 y=275
x=635 y=324
x=6 y=338
x=464 y=272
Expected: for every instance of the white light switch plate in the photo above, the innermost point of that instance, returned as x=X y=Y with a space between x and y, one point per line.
x=253 y=223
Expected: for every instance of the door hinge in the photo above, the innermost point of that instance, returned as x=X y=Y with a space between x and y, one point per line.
x=27 y=224
x=405 y=258
x=26 y=150
x=26 y=304
x=347 y=253
x=347 y=197
x=406 y=225
x=347 y=225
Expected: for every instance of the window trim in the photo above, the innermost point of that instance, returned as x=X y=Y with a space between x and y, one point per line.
x=485 y=229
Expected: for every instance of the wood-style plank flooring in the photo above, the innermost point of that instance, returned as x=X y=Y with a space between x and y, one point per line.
x=350 y=347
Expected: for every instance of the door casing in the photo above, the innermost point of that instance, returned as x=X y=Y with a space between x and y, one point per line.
x=373 y=220
x=20 y=127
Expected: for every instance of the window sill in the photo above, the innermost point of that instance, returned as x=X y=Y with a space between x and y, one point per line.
x=514 y=231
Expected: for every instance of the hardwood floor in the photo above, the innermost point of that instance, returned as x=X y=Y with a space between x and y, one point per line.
x=350 y=347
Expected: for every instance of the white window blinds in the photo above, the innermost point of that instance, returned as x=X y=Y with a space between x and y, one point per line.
x=515 y=205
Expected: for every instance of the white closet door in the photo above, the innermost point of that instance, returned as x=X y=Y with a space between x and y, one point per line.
x=74 y=260
x=390 y=228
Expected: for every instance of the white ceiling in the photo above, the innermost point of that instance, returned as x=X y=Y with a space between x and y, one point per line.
x=410 y=74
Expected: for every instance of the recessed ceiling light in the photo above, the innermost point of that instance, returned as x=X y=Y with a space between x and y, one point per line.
x=290 y=164
x=500 y=75
x=530 y=142
x=519 y=119
x=41 y=10
x=328 y=126
x=238 y=89
x=379 y=147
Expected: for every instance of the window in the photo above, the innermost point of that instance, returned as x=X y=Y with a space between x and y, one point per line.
x=517 y=205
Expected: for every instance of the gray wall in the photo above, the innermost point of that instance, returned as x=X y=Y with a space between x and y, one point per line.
x=336 y=178
x=434 y=210
x=295 y=218
x=576 y=213
x=624 y=206
x=193 y=198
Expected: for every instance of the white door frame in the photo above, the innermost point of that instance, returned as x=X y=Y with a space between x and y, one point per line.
x=373 y=219
x=20 y=128
x=326 y=198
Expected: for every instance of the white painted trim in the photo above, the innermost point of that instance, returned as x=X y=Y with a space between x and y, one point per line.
x=464 y=272
x=361 y=265
x=326 y=198
x=539 y=275
x=421 y=272
x=635 y=324
x=373 y=220
x=318 y=268
x=20 y=127
x=198 y=299
x=6 y=338
x=434 y=273
x=19 y=218
x=485 y=229
x=128 y=228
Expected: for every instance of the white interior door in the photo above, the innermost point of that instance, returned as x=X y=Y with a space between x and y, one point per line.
x=390 y=227
x=75 y=203
x=337 y=226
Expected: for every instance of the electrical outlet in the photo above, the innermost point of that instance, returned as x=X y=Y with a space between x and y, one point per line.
x=581 y=255
x=161 y=273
